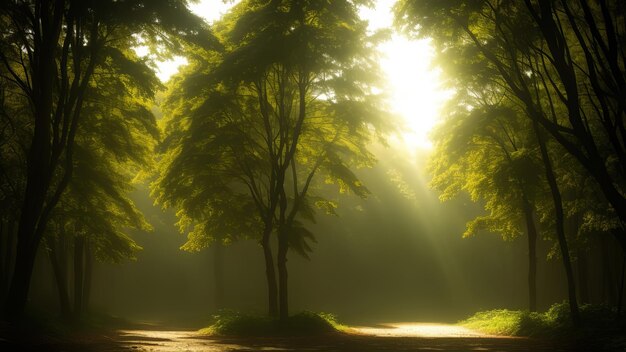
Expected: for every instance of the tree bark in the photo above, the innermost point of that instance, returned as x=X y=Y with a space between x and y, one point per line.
x=20 y=283
x=7 y=257
x=3 y=252
x=531 y=231
x=37 y=184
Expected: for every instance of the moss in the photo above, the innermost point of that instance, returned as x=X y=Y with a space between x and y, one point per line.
x=246 y=324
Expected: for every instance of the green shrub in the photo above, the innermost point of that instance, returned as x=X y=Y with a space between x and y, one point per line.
x=554 y=322
x=246 y=324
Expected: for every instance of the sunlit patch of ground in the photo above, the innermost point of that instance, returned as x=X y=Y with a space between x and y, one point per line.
x=172 y=341
x=417 y=330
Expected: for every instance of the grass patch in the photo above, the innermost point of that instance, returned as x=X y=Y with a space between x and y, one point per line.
x=556 y=321
x=246 y=324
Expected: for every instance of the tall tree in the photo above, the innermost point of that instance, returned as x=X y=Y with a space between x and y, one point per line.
x=113 y=144
x=488 y=152
x=50 y=49
x=293 y=91
x=552 y=56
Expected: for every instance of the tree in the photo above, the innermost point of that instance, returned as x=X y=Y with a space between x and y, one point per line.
x=487 y=151
x=50 y=50
x=569 y=51
x=113 y=144
x=290 y=97
x=14 y=126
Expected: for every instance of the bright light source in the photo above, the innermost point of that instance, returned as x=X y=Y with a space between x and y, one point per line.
x=170 y=67
x=211 y=10
x=416 y=93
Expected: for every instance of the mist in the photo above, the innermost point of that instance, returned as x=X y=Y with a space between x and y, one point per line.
x=398 y=255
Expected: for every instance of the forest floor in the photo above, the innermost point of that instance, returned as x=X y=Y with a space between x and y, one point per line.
x=384 y=337
x=387 y=337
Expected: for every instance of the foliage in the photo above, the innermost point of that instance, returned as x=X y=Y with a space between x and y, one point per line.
x=113 y=144
x=256 y=117
x=554 y=322
x=289 y=104
x=487 y=153
x=556 y=61
x=70 y=75
x=245 y=324
x=559 y=65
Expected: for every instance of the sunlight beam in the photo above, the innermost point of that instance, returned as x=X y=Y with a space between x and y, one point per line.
x=415 y=89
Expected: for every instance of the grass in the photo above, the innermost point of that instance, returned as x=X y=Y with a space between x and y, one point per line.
x=246 y=324
x=554 y=322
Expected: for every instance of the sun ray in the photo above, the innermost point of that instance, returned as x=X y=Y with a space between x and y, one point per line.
x=415 y=91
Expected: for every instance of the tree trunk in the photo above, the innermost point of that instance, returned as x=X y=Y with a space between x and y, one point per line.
x=20 y=283
x=218 y=276
x=283 y=292
x=283 y=248
x=531 y=231
x=79 y=257
x=60 y=276
x=30 y=228
x=270 y=272
x=8 y=258
x=560 y=225
x=4 y=239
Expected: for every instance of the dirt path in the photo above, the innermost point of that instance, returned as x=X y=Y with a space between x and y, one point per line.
x=417 y=330
x=386 y=337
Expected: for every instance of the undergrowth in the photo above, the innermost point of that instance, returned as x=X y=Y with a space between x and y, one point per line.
x=554 y=322
x=304 y=323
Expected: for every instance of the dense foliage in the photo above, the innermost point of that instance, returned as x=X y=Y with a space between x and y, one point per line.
x=77 y=126
x=290 y=104
x=539 y=106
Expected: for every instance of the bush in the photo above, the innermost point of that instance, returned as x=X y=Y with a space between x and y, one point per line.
x=554 y=322
x=304 y=323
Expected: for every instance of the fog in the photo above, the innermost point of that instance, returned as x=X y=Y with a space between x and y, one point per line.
x=398 y=255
